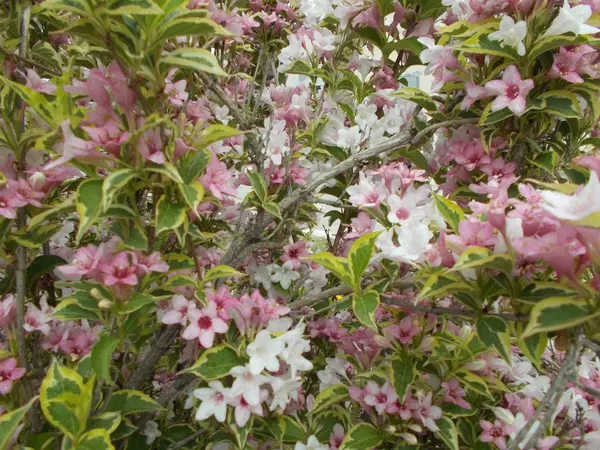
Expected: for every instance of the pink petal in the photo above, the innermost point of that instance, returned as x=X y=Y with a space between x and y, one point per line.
x=496 y=87
x=207 y=338
x=512 y=75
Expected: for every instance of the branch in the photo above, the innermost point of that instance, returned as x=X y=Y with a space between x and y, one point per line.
x=187 y=440
x=453 y=311
x=549 y=402
x=334 y=203
x=156 y=351
x=448 y=123
x=310 y=300
x=29 y=62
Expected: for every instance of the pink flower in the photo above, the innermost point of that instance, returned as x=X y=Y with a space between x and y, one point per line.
x=119 y=271
x=9 y=372
x=292 y=254
x=472 y=232
x=177 y=312
x=337 y=436
x=367 y=193
x=35 y=82
x=405 y=330
x=86 y=262
x=78 y=341
x=176 y=91
x=511 y=91
x=453 y=393
x=10 y=200
x=150 y=147
x=204 y=324
x=384 y=399
x=495 y=433
x=428 y=413
x=109 y=136
x=150 y=263
x=27 y=193
x=8 y=313
x=217 y=178
x=38 y=319
x=75 y=148
x=473 y=92
x=222 y=299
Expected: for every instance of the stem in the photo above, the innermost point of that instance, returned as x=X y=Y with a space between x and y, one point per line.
x=28 y=61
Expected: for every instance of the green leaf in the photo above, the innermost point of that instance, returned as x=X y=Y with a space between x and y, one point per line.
x=447 y=432
x=190 y=26
x=533 y=347
x=34 y=100
x=293 y=431
x=337 y=265
x=126 y=428
x=450 y=211
x=193 y=164
x=489 y=117
x=102 y=356
x=142 y=7
x=359 y=256
x=440 y=284
x=480 y=44
x=215 y=133
x=273 y=209
x=546 y=161
x=107 y=421
x=40 y=266
x=364 y=307
x=220 y=271
x=132 y=234
x=403 y=375
x=558 y=313
x=193 y=193
x=417 y=96
x=136 y=301
x=372 y=35
x=410 y=44
x=561 y=103
x=495 y=332
x=98 y=439
x=77 y=6
x=590 y=221
x=361 y=436
x=552 y=42
x=474 y=383
x=114 y=183
x=169 y=215
x=89 y=204
x=258 y=184
x=65 y=400
x=64 y=207
x=10 y=421
x=130 y=402
x=482 y=258
x=70 y=309
x=329 y=396
x=215 y=363
x=168 y=170
x=197 y=59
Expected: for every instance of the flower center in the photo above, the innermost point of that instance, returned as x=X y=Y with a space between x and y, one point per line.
x=402 y=213
x=2 y=204
x=512 y=91
x=205 y=323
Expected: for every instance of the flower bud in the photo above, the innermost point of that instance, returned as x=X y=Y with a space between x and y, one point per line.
x=391 y=429
x=416 y=428
x=95 y=292
x=475 y=365
x=105 y=304
x=464 y=332
x=37 y=181
x=410 y=438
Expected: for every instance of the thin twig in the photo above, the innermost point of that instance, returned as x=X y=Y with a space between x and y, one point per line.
x=448 y=123
x=187 y=440
x=29 y=62
x=549 y=403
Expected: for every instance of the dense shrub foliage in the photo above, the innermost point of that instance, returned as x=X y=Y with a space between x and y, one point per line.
x=231 y=225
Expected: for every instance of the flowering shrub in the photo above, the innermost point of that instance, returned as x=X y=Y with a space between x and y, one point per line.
x=231 y=225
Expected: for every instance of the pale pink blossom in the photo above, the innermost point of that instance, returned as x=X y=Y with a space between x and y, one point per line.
x=511 y=91
x=38 y=319
x=204 y=324
x=405 y=330
x=177 y=312
x=119 y=270
x=8 y=312
x=495 y=432
x=9 y=372
x=428 y=413
x=86 y=262
x=150 y=146
x=292 y=254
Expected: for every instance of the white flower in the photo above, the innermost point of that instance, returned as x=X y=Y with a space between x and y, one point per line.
x=413 y=238
x=511 y=34
x=349 y=138
x=284 y=390
x=213 y=401
x=365 y=116
x=283 y=276
x=409 y=206
x=574 y=207
x=221 y=113
x=333 y=373
x=247 y=384
x=262 y=275
x=347 y=9
x=293 y=52
x=572 y=20
x=312 y=444
x=263 y=353
x=279 y=325
x=151 y=432
x=295 y=347
x=315 y=10
x=537 y=388
x=432 y=52
x=323 y=40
